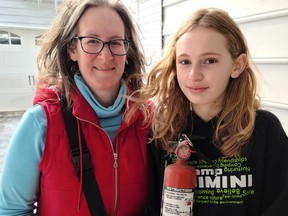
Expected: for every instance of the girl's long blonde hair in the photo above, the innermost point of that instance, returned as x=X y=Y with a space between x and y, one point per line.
x=236 y=121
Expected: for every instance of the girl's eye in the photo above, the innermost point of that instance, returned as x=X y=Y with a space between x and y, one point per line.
x=184 y=62
x=210 y=61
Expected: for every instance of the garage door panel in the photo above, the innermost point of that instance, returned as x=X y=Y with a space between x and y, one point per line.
x=268 y=40
x=17 y=81
x=273 y=81
x=15 y=102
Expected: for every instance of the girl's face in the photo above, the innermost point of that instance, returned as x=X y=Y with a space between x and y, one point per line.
x=204 y=67
x=101 y=72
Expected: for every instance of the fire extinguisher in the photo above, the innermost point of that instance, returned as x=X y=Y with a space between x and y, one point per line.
x=179 y=183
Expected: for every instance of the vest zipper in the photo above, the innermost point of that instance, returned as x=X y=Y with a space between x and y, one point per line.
x=116 y=178
x=115 y=156
x=115 y=160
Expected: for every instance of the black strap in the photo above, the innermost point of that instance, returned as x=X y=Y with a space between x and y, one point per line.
x=90 y=186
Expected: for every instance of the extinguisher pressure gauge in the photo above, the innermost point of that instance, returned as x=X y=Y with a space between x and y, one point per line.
x=183 y=151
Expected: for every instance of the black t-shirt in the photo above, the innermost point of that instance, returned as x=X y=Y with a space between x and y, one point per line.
x=254 y=184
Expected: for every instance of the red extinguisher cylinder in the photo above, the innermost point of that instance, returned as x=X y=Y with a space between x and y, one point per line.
x=180 y=175
x=178 y=189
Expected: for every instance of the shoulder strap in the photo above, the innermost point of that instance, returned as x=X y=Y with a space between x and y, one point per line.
x=90 y=186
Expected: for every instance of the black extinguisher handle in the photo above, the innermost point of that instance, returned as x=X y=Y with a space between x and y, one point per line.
x=195 y=150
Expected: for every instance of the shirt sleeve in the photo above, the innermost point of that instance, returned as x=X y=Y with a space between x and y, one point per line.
x=19 y=181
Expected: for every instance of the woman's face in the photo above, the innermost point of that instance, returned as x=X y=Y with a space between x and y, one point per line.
x=101 y=72
x=204 y=67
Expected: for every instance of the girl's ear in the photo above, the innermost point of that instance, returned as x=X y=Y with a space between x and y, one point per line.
x=240 y=64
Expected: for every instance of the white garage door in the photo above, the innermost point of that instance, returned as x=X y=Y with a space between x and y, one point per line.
x=17 y=68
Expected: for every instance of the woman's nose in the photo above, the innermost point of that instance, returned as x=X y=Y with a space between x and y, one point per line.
x=105 y=53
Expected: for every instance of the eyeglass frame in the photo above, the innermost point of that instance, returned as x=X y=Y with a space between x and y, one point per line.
x=103 y=44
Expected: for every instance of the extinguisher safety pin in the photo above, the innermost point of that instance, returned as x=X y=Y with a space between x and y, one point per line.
x=188 y=140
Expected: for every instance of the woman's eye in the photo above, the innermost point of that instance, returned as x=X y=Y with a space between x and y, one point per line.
x=93 y=41
x=116 y=43
x=210 y=61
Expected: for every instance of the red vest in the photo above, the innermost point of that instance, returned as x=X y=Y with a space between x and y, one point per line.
x=123 y=188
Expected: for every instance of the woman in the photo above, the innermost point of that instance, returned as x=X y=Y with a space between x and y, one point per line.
x=91 y=58
x=205 y=87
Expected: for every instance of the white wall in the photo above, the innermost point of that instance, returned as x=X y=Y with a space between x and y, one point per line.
x=150 y=23
x=265 y=26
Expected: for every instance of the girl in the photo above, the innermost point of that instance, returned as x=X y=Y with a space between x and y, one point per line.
x=205 y=87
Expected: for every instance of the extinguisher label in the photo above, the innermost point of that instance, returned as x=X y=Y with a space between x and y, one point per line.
x=177 y=201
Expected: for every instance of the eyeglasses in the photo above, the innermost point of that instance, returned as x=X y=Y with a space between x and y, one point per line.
x=92 y=45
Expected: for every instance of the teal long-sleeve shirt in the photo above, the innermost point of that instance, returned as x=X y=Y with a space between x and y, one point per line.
x=19 y=181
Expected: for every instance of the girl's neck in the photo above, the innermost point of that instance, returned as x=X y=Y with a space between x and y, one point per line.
x=206 y=113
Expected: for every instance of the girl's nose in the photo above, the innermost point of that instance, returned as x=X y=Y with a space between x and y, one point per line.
x=195 y=73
